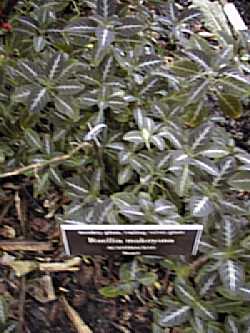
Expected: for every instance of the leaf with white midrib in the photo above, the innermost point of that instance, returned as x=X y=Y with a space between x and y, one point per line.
x=174 y=138
x=129 y=26
x=231 y=325
x=226 y=167
x=174 y=316
x=106 y=8
x=105 y=37
x=201 y=136
x=149 y=62
x=183 y=181
x=240 y=181
x=229 y=232
x=208 y=284
x=64 y=106
x=3 y=316
x=125 y=175
x=80 y=26
x=34 y=138
x=215 y=19
x=232 y=275
x=38 y=99
x=70 y=87
x=76 y=187
x=200 y=206
x=205 y=165
x=55 y=65
x=29 y=69
x=188 y=296
x=244 y=292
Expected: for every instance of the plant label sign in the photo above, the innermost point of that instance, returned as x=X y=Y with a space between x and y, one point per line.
x=234 y=17
x=159 y=240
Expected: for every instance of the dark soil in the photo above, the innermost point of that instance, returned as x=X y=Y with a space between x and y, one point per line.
x=123 y=314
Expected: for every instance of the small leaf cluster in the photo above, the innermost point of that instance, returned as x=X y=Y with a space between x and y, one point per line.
x=122 y=108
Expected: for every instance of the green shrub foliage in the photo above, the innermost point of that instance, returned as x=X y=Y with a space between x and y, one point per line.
x=121 y=106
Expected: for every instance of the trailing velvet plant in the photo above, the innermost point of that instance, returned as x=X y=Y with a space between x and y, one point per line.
x=133 y=133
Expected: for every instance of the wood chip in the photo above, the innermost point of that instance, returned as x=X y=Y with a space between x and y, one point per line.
x=25 y=246
x=76 y=320
x=71 y=265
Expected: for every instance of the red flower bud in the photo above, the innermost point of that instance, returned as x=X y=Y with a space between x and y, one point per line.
x=6 y=26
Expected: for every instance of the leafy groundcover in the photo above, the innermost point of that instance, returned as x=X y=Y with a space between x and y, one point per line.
x=116 y=112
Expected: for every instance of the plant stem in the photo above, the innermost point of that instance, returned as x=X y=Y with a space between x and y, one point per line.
x=41 y=165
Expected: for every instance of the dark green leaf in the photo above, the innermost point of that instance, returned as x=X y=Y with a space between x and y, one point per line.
x=230 y=105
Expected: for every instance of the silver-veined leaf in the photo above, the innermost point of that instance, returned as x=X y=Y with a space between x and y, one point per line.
x=244 y=292
x=184 y=68
x=204 y=311
x=207 y=284
x=39 y=43
x=64 y=106
x=129 y=26
x=55 y=176
x=199 y=58
x=243 y=158
x=215 y=19
x=27 y=23
x=3 y=311
x=22 y=93
x=125 y=175
x=75 y=187
x=198 y=324
x=133 y=212
x=195 y=114
x=230 y=105
x=188 y=296
x=214 y=152
x=38 y=99
x=232 y=207
x=94 y=132
x=183 y=181
x=33 y=139
x=229 y=232
x=106 y=8
x=105 y=37
x=70 y=87
x=234 y=85
x=173 y=138
x=81 y=26
x=55 y=65
x=158 y=142
x=28 y=70
x=197 y=92
x=175 y=316
x=133 y=136
x=231 y=325
x=164 y=207
x=149 y=62
x=226 y=167
x=206 y=165
x=240 y=181
x=232 y=275
x=201 y=206
x=139 y=117
x=200 y=136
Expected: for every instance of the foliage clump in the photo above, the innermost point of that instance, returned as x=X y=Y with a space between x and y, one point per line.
x=121 y=106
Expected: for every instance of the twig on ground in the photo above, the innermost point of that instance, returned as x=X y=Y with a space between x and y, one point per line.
x=41 y=165
x=76 y=320
x=21 y=305
x=71 y=265
x=25 y=246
